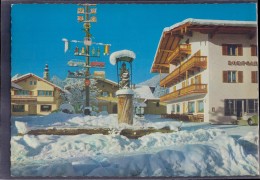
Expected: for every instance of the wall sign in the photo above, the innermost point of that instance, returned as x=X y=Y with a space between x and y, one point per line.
x=242 y=63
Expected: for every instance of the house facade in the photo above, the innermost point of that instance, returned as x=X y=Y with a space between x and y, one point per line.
x=212 y=68
x=37 y=96
x=107 y=100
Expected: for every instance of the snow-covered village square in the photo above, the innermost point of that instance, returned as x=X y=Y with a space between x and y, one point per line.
x=155 y=95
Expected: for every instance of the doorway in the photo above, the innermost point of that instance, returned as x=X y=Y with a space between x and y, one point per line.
x=32 y=110
x=240 y=108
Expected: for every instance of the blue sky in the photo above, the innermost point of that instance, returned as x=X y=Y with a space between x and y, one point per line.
x=37 y=30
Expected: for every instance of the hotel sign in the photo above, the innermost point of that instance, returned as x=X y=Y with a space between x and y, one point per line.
x=242 y=63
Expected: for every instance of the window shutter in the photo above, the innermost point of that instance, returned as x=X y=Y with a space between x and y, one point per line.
x=240 y=76
x=224 y=49
x=225 y=76
x=240 y=50
x=253 y=50
x=15 y=92
x=30 y=93
x=253 y=76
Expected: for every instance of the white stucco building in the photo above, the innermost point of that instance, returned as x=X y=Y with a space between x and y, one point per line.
x=213 y=69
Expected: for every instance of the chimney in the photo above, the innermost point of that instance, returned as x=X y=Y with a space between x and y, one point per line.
x=46 y=72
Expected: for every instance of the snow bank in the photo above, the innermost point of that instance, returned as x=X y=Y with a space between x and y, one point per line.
x=198 y=150
x=199 y=153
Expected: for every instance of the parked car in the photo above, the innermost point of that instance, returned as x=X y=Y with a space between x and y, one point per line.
x=248 y=119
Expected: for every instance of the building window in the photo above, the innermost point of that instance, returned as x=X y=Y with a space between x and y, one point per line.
x=173 y=108
x=18 y=108
x=229 y=107
x=105 y=94
x=191 y=107
x=22 y=92
x=200 y=106
x=177 y=108
x=45 y=93
x=232 y=76
x=232 y=49
x=253 y=50
x=33 y=82
x=45 y=108
x=252 y=106
x=254 y=76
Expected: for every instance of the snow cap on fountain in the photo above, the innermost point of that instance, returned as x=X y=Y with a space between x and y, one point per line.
x=123 y=55
x=125 y=91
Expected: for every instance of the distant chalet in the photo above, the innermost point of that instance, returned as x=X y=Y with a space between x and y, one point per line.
x=33 y=95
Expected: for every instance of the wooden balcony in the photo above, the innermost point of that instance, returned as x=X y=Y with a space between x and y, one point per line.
x=195 y=62
x=23 y=99
x=179 y=52
x=170 y=79
x=188 y=90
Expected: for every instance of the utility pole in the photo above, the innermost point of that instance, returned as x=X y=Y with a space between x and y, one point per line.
x=86 y=16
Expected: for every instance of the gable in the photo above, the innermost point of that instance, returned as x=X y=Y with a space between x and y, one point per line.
x=41 y=84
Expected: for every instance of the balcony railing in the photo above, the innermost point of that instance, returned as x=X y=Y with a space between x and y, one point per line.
x=193 y=62
x=182 y=49
x=188 y=90
x=23 y=97
x=170 y=79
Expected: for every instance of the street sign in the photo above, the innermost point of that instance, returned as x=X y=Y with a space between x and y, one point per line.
x=97 y=64
x=87 y=82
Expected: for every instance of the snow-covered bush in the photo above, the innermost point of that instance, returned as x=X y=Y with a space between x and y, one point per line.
x=67 y=108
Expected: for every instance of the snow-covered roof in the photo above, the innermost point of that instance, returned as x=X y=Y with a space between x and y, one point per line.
x=190 y=22
x=125 y=55
x=16 y=86
x=144 y=92
x=108 y=81
x=17 y=79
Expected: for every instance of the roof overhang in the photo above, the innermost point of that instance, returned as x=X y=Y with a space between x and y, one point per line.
x=171 y=36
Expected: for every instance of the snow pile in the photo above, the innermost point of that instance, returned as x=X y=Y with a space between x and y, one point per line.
x=21 y=127
x=120 y=54
x=124 y=91
x=199 y=153
x=67 y=108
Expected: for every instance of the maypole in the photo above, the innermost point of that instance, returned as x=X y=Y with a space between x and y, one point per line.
x=86 y=15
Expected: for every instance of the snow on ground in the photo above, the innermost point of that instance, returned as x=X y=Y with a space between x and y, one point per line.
x=199 y=149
